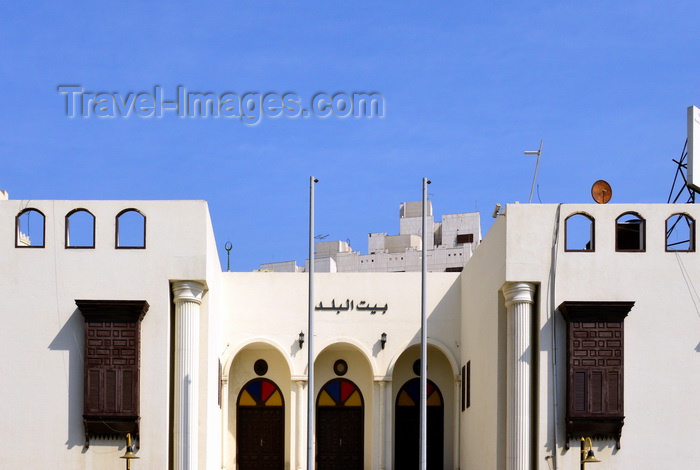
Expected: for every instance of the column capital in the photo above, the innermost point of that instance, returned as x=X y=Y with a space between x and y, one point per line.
x=188 y=290
x=518 y=292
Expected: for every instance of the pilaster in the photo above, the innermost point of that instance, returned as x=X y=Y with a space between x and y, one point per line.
x=187 y=299
x=519 y=297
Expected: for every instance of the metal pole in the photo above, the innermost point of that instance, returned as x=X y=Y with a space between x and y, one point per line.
x=424 y=336
x=228 y=246
x=537 y=165
x=310 y=343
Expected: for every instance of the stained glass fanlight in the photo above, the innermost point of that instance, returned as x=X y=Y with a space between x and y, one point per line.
x=340 y=392
x=409 y=395
x=260 y=392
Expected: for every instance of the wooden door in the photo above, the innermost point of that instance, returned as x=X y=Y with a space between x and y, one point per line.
x=260 y=427
x=340 y=427
x=407 y=427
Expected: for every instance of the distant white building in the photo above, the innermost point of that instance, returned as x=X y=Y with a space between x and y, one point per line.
x=452 y=243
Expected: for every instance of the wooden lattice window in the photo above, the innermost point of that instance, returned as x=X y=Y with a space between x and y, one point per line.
x=595 y=368
x=111 y=373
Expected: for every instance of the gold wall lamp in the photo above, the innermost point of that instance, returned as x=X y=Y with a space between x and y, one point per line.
x=587 y=455
x=129 y=455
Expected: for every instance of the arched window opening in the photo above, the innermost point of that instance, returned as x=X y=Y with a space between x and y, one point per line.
x=30 y=226
x=131 y=229
x=680 y=233
x=579 y=233
x=80 y=229
x=630 y=232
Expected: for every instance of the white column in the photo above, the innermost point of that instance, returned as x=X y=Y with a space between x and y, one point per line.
x=457 y=418
x=382 y=427
x=300 y=425
x=224 y=420
x=187 y=298
x=519 y=298
x=389 y=425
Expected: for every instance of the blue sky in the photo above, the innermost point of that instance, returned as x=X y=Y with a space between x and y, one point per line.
x=468 y=86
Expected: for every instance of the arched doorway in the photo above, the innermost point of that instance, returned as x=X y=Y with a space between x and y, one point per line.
x=407 y=426
x=339 y=426
x=260 y=426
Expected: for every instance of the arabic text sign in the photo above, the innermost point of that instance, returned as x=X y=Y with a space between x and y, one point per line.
x=350 y=305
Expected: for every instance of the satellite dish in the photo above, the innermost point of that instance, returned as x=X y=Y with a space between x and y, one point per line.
x=601 y=192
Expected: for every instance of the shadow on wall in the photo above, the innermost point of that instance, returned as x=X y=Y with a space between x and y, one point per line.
x=502 y=381
x=70 y=338
x=295 y=347
x=444 y=313
x=377 y=347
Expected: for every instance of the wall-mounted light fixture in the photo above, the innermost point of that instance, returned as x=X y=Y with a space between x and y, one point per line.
x=496 y=211
x=301 y=339
x=129 y=455
x=587 y=455
x=383 y=340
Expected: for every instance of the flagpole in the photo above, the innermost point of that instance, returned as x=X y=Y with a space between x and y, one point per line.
x=310 y=343
x=424 y=336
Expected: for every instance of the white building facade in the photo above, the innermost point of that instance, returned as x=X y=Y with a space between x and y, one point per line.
x=450 y=244
x=546 y=336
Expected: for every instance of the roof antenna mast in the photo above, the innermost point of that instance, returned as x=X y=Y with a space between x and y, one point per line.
x=537 y=165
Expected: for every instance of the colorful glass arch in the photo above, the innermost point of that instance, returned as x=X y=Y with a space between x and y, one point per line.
x=409 y=395
x=340 y=392
x=407 y=426
x=260 y=392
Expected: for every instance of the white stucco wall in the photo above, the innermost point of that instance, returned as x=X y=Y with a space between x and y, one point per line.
x=662 y=362
x=245 y=316
x=43 y=337
x=483 y=345
x=272 y=308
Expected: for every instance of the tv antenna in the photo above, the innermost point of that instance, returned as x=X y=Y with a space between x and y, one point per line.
x=682 y=172
x=321 y=237
x=537 y=165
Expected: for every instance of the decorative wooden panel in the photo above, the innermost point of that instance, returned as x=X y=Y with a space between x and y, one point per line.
x=340 y=426
x=112 y=346
x=595 y=368
x=407 y=427
x=469 y=384
x=464 y=388
x=260 y=426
